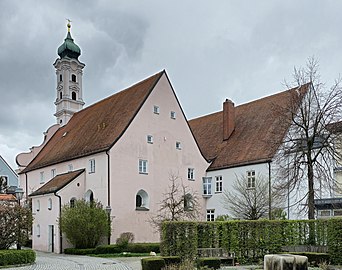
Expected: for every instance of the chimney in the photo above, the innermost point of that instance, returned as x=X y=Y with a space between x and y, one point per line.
x=228 y=118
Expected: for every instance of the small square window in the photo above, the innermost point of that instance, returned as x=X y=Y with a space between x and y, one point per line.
x=210 y=214
x=149 y=138
x=191 y=174
x=42 y=178
x=142 y=166
x=91 y=165
x=173 y=115
x=178 y=146
x=156 y=109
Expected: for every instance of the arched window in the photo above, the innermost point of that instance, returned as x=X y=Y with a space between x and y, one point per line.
x=49 y=203
x=73 y=77
x=141 y=200
x=38 y=206
x=72 y=202
x=89 y=196
x=38 y=230
x=73 y=95
x=60 y=77
x=60 y=95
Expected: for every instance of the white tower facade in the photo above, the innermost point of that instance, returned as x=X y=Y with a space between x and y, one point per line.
x=69 y=95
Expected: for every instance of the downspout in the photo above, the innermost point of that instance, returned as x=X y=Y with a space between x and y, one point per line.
x=26 y=188
x=108 y=167
x=269 y=192
x=60 y=230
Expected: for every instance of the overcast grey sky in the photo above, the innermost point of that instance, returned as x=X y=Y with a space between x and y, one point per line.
x=211 y=50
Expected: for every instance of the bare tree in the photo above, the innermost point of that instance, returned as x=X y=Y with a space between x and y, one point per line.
x=179 y=203
x=249 y=200
x=309 y=148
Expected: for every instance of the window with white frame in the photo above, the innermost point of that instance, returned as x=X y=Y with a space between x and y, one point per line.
x=218 y=183
x=173 y=115
x=325 y=213
x=42 y=177
x=156 y=109
x=149 y=138
x=70 y=168
x=141 y=200
x=338 y=212
x=207 y=186
x=191 y=173
x=143 y=166
x=38 y=206
x=178 y=145
x=53 y=173
x=38 y=230
x=91 y=165
x=250 y=179
x=210 y=214
x=49 y=204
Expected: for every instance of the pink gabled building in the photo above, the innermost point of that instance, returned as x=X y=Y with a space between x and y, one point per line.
x=120 y=151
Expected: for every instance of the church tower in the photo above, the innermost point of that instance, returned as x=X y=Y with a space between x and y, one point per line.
x=69 y=80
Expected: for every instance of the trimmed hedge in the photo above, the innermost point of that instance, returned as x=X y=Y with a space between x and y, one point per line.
x=16 y=257
x=169 y=260
x=250 y=240
x=208 y=262
x=114 y=249
x=153 y=263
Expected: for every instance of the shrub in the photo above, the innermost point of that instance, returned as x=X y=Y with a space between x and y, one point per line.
x=155 y=263
x=208 y=262
x=169 y=260
x=143 y=247
x=16 y=257
x=85 y=223
x=79 y=251
x=16 y=224
x=124 y=239
x=335 y=240
x=108 y=249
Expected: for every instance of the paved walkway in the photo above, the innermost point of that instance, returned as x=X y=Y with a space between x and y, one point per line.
x=48 y=261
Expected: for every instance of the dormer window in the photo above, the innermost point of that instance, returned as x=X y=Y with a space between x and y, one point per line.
x=73 y=78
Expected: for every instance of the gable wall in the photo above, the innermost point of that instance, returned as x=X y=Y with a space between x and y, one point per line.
x=163 y=160
x=12 y=178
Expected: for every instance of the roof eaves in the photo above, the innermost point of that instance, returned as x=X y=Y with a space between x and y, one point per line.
x=240 y=164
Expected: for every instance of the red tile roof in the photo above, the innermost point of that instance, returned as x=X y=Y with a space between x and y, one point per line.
x=95 y=128
x=58 y=182
x=259 y=130
x=7 y=197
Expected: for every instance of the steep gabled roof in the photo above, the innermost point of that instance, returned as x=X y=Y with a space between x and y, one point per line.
x=57 y=183
x=95 y=128
x=259 y=130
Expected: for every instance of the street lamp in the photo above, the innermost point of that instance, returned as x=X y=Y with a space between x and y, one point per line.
x=109 y=210
x=19 y=192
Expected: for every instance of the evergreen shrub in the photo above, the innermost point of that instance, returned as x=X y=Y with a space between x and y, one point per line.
x=79 y=251
x=314 y=258
x=208 y=262
x=17 y=257
x=152 y=263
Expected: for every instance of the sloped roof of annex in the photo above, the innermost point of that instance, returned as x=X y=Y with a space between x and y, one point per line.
x=98 y=127
x=57 y=183
x=259 y=131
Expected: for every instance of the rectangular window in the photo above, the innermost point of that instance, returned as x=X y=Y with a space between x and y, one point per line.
x=218 y=183
x=250 y=179
x=53 y=173
x=191 y=174
x=42 y=180
x=207 y=186
x=91 y=165
x=178 y=146
x=337 y=213
x=142 y=166
x=70 y=168
x=156 y=109
x=149 y=138
x=324 y=213
x=173 y=115
x=210 y=214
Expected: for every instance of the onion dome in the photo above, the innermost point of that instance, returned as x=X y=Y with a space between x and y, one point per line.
x=69 y=48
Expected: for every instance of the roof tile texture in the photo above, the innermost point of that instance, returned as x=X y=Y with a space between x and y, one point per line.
x=259 y=130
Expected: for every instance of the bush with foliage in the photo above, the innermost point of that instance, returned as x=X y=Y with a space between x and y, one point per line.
x=152 y=263
x=315 y=259
x=16 y=257
x=79 y=251
x=124 y=239
x=15 y=224
x=213 y=263
x=84 y=223
x=335 y=240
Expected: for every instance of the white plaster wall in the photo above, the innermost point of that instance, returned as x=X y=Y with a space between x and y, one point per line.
x=163 y=159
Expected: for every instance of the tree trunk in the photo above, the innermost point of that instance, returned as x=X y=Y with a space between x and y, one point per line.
x=311 y=192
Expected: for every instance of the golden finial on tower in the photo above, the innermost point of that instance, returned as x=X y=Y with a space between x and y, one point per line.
x=69 y=25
